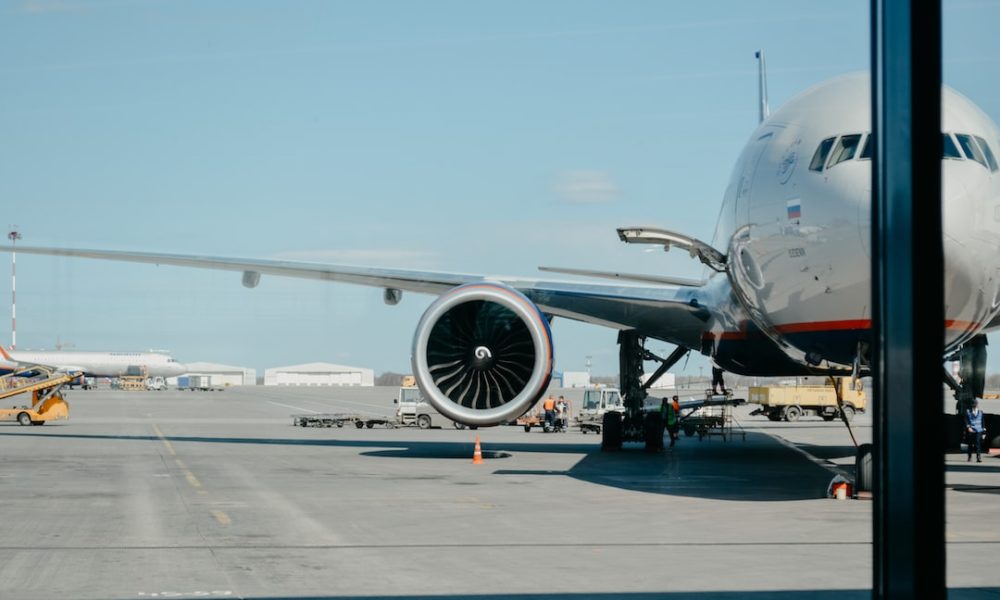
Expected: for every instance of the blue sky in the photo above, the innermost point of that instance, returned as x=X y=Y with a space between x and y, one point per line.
x=482 y=137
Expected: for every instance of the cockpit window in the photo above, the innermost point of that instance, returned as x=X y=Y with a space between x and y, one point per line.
x=971 y=149
x=950 y=149
x=866 y=150
x=847 y=145
x=988 y=153
x=819 y=159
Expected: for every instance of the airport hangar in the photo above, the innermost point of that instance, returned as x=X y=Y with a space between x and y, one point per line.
x=221 y=375
x=309 y=374
x=320 y=373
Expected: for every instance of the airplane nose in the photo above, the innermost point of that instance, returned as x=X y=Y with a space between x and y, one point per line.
x=971 y=239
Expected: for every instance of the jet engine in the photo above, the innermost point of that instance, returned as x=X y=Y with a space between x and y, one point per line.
x=482 y=354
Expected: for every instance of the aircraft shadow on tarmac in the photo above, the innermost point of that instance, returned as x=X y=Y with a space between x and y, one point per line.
x=758 y=469
x=841 y=594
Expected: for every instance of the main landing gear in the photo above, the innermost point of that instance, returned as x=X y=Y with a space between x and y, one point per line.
x=971 y=359
x=635 y=425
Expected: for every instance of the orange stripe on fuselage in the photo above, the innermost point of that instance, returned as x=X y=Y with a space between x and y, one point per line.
x=827 y=326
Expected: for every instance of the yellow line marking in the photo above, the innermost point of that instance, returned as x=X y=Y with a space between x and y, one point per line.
x=179 y=463
x=164 y=439
x=192 y=479
x=222 y=517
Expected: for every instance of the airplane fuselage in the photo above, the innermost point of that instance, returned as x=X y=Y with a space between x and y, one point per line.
x=105 y=364
x=796 y=225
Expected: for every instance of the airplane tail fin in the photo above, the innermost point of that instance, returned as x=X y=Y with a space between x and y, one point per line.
x=762 y=85
x=3 y=351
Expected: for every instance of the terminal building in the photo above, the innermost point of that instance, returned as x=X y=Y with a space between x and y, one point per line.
x=320 y=373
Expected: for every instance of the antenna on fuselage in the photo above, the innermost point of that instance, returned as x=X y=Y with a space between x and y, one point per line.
x=762 y=84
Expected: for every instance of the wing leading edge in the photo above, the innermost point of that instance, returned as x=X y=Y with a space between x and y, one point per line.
x=671 y=314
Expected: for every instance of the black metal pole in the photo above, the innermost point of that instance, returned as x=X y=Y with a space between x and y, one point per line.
x=907 y=300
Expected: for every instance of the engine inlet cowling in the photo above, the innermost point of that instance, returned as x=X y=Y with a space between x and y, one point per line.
x=482 y=354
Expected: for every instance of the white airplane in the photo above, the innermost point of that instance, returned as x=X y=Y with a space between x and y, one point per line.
x=99 y=364
x=786 y=289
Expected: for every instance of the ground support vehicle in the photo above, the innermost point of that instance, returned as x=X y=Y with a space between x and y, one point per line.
x=536 y=418
x=596 y=402
x=788 y=403
x=340 y=419
x=711 y=416
x=44 y=385
x=413 y=410
x=196 y=383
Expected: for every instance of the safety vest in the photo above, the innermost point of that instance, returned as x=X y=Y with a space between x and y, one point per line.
x=549 y=404
x=669 y=415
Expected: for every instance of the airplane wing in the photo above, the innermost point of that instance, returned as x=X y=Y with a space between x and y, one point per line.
x=671 y=314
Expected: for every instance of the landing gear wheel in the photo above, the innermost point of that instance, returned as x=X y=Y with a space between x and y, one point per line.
x=424 y=422
x=653 y=433
x=863 y=469
x=24 y=419
x=792 y=413
x=848 y=412
x=611 y=431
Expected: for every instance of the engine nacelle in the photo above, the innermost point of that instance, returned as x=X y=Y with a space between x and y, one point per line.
x=482 y=354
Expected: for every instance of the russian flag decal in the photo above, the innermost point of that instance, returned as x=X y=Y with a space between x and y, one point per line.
x=794 y=208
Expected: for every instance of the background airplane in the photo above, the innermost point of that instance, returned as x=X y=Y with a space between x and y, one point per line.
x=100 y=364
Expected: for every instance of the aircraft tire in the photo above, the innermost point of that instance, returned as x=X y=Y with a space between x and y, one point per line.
x=864 y=469
x=654 y=432
x=611 y=432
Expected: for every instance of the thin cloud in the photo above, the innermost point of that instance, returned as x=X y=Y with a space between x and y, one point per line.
x=48 y=6
x=586 y=187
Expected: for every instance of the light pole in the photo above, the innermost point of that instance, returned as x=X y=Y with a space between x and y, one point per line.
x=13 y=236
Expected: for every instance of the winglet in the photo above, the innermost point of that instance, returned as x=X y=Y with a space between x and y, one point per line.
x=762 y=85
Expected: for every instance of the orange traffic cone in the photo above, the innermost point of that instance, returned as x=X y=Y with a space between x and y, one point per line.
x=477 y=454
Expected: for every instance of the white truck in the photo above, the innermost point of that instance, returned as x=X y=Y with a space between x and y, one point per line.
x=596 y=402
x=413 y=410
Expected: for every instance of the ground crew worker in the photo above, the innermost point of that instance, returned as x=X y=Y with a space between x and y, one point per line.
x=549 y=406
x=717 y=381
x=974 y=430
x=669 y=420
x=561 y=407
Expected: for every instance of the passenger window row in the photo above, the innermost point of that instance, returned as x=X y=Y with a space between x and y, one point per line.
x=837 y=149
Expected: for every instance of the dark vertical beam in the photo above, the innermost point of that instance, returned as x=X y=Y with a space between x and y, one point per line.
x=907 y=300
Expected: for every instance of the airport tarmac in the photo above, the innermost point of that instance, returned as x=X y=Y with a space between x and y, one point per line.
x=216 y=495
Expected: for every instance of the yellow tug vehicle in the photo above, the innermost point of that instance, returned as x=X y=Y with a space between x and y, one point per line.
x=44 y=385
